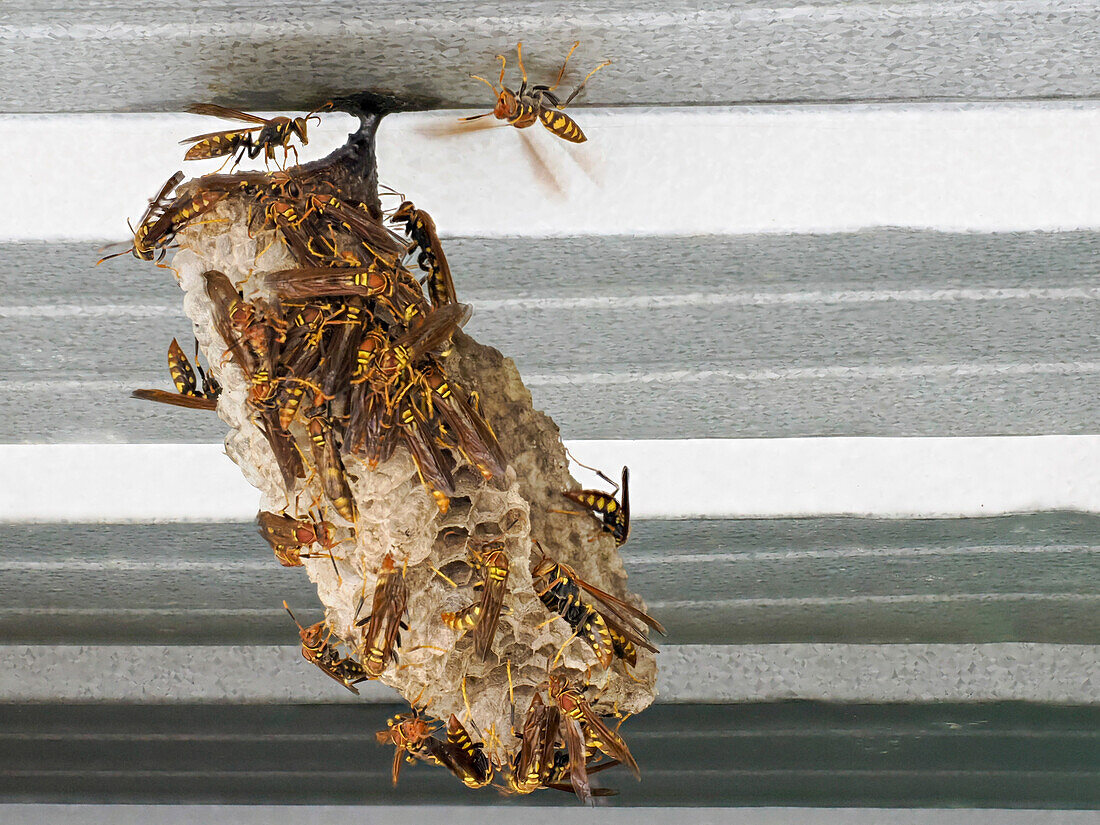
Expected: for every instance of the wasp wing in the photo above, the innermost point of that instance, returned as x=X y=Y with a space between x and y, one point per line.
x=620 y=609
x=214 y=110
x=193 y=402
x=492 y=599
x=608 y=741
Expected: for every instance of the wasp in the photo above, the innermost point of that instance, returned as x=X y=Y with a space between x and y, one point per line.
x=464 y=757
x=188 y=393
x=420 y=227
x=616 y=516
x=472 y=435
x=412 y=737
x=582 y=729
x=316 y=649
x=533 y=762
x=385 y=621
x=273 y=133
x=608 y=624
x=158 y=204
x=287 y=536
x=381 y=361
x=423 y=446
x=283 y=447
x=253 y=333
x=322 y=442
x=559 y=777
x=159 y=229
x=482 y=615
x=356 y=219
x=537 y=102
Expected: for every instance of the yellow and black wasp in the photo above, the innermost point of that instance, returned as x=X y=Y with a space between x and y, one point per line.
x=272 y=133
x=420 y=228
x=611 y=627
x=537 y=102
x=482 y=616
x=584 y=731
x=198 y=394
x=615 y=515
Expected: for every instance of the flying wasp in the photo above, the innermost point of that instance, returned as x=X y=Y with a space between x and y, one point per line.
x=188 y=393
x=538 y=102
x=273 y=133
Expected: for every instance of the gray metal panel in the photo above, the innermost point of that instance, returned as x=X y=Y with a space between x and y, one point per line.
x=846 y=352
x=772 y=754
x=262 y=674
x=142 y=56
x=83 y=814
x=1015 y=578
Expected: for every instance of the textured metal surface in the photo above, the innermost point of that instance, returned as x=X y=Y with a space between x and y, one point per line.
x=1007 y=755
x=1015 y=578
x=873 y=333
x=31 y=814
x=167 y=674
x=131 y=56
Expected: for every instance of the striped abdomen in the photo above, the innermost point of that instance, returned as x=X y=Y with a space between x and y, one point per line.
x=562 y=125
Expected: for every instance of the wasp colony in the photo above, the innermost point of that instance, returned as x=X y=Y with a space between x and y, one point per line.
x=402 y=466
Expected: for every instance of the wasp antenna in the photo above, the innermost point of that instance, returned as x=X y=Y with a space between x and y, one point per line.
x=492 y=86
x=287 y=607
x=519 y=57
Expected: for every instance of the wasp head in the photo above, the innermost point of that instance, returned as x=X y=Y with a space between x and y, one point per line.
x=506 y=104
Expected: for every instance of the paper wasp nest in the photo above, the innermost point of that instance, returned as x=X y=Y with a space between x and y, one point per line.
x=438 y=668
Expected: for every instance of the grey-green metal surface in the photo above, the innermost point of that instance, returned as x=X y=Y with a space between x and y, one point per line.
x=883 y=332
x=1032 y=578
x=798 y=753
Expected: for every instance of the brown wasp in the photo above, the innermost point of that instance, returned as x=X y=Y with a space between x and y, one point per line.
x=273 y=133
x=616 y=516
x=385 y=621
x=381 y=361
x=188 y=391
x=420 y=227
x=538 y=102
x=582 y=728
x=471 y=434
x=423 y=446
x=482 y=616
x=412 y=736
x=533 y=762
x=609 y=625
x=316 y=649
x=287 y=536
